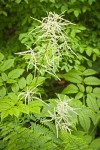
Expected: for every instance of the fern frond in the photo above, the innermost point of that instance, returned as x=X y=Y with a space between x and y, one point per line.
x=71 y=142
x=22 y=138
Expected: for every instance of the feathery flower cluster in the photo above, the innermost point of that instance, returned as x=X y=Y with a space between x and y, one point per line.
x=50 y=45
x=62 y=115
x=30 y=94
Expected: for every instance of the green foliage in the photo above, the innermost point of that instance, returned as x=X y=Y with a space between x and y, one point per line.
x=17 y=137
x=50 y=96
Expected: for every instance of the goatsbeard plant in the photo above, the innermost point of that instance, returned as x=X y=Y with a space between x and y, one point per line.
x=50 y=44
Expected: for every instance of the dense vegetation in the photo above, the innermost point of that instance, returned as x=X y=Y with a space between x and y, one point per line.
x=49 y=75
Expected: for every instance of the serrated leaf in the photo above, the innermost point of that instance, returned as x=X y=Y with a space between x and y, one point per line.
x=81 y=87
x=95 y=144
x=2 y=91
x=37 y=81
x=91 y=81
x=73 y=76
x=92 y=115
x=96 y=92
x=11 y=81
x=92 y=102
x=4 y=114
x=29 y=78
x=23 y=108
x=79 y=95
x=36 y=103
x=88 y=72
x=35 y=106
x=4 y=106
x=7 y=64
x=34 y=109
x=15 y=87
x=84 y=121
x=15 y=73
x=14 y=111
x=13 y=96
x=4 y=76
x=71 y=88
x=22 y=83
x=89 y=89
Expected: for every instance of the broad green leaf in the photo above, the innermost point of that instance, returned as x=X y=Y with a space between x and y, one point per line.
x=89 y=51
x=15 y=87
x=37 y=81
x=84 y=121
x=15 y=73
x=4 y=76
x=29 y=78
x=88 y=72
x=9 y=102
x=72 y=77
x=22 y=83
x=11 y=81
x=2 y=92
x=95 y=145
x=4 y=106
x=34 y=109
x=77 y=12
x=92 y=102
x=92 y=115
x=76 y=103
x=79 y=95
x=14 y=111
x=4 y=114
x=96 y=92
x=36 y=103
x=91 y=81
x=81 y=87
x=35 y=106
x=1 y=57
x=89 y=89
x=71 y=88
x=87 y=138
x=13 y=96
x=7 y=64
x=23 y=108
